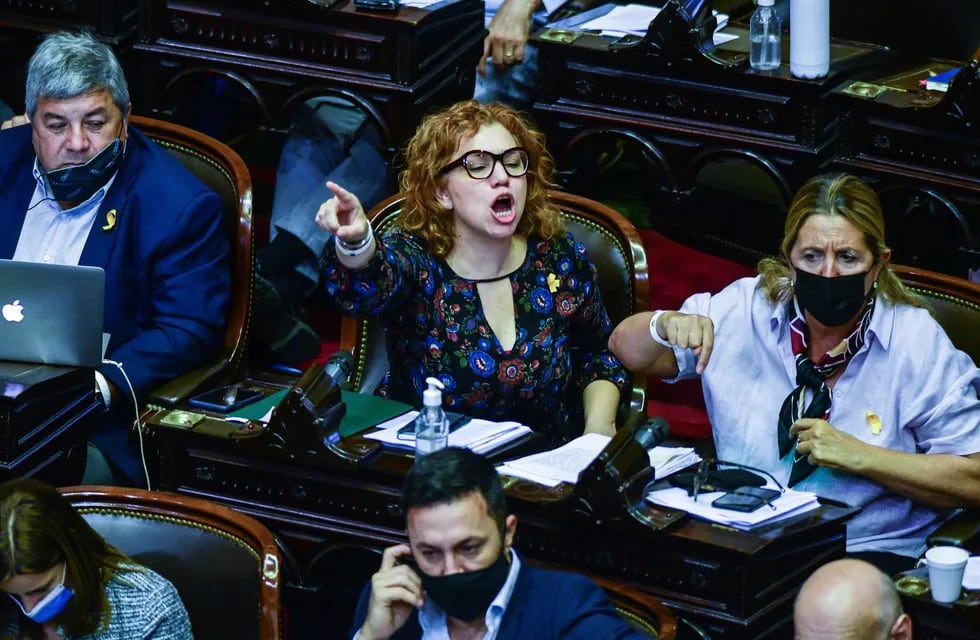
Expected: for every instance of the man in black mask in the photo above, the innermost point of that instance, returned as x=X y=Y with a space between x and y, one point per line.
x=79 y=186
x=459 y=577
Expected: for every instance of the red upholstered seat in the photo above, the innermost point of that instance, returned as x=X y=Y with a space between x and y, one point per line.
x=676 y=272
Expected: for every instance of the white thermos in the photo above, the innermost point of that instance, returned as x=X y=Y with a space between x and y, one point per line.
x=809 y=38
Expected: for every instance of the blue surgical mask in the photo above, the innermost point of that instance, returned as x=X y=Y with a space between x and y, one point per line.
x=51 y=604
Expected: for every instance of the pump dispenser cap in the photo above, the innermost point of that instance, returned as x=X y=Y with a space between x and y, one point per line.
x=432 y=397
x=766 y=3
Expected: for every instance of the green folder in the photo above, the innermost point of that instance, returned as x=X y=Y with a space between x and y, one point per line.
x=363 y=411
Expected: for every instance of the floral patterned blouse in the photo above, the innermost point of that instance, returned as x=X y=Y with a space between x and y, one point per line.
x=435 y=326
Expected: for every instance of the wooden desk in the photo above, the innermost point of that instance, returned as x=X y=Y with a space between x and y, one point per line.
x=401 y=63
x=46 y=416
x=733 y=584
x=23 y=24
x=716 y=152
x=933 y=620
x=921 y=151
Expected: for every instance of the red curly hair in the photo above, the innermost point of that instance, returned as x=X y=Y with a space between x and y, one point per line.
x=433 y=147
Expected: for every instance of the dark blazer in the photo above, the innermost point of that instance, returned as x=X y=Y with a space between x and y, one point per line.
x=166 y=261
x=545 y=605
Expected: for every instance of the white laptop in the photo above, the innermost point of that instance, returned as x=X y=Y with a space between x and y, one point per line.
x=51 y=314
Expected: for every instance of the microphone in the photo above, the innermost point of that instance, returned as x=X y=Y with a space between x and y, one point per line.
x=651 y=433
x=606 y=487
x=314 y=401
x=338 y=367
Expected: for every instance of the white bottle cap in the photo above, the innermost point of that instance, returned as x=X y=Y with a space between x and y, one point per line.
x=766 y=3
x=432 y=397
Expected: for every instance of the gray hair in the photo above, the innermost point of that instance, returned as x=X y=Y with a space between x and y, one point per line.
x=66 y=65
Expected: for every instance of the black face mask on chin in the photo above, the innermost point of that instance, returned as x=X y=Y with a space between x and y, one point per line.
x=466 y=596
x=77 y=183
x=831 y=301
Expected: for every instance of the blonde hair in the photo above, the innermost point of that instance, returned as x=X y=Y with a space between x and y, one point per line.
x=834 y=195
x=432 y=148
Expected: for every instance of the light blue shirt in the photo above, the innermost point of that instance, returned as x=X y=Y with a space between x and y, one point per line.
x=432 y=619
x=907 y=375
x=54 y=235
x=490 y=8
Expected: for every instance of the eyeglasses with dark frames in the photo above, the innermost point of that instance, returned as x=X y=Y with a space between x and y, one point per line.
x=479 y=164
x=701 y=476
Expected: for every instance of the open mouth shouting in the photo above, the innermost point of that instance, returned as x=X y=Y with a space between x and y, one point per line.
x=503 y=209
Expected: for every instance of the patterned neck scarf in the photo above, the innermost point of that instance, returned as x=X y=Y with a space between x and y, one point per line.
x=813 y=375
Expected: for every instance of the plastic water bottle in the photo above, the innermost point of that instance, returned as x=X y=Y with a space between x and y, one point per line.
x=765 y=37
x=809 y=38
x=431 y=425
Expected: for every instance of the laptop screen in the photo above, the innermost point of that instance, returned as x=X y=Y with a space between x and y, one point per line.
x=51 y=314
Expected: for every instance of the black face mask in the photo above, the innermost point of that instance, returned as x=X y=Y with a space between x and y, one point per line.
x=832 y=301
x=77 y=183
x=466 y=596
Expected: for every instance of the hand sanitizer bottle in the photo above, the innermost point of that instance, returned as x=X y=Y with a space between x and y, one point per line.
x=765 y=37
x=431 y=426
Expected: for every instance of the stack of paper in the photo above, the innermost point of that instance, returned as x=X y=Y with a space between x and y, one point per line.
x=565 y=463
x=668 y=460
x=633 y=19
x=790 y=503
x=479 y=436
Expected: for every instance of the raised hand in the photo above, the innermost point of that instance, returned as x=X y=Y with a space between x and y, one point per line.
x=395 y=591
x=343 y=215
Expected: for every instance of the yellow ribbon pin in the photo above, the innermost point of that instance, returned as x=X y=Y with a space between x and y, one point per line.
x=110 y=220
x=873 y=421
x=553 y=282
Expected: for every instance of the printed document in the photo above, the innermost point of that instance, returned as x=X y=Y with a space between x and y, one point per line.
x=565 y=463
x=479 y=436
x=633 y=19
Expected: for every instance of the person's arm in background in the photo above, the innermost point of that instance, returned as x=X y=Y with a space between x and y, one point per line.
x=8 y=118
x=508 y=33
x=15 y=121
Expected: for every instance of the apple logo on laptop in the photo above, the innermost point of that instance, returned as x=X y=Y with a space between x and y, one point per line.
x=13 y=312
